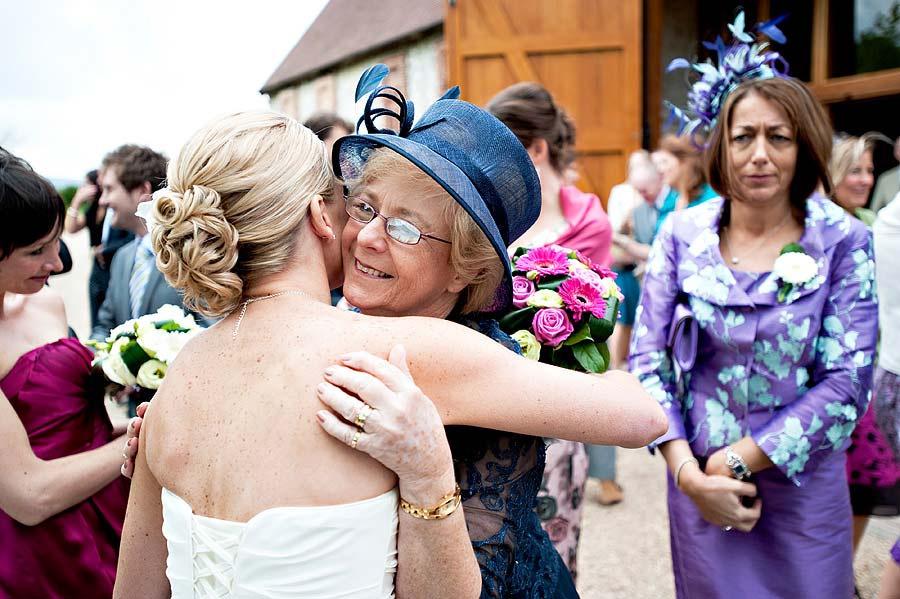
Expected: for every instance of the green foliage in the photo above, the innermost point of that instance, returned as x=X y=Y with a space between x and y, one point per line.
x=879 y=47
x=67 y=193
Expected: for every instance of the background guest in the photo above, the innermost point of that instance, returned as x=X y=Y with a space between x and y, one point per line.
x=572 y=219
x=105 y=240
x=872 y=471
x=782 y=374
x=886 y=393
x=681 y=162
x=328 y=127
x=631 y=245
x=888 y=185
x=136 y=287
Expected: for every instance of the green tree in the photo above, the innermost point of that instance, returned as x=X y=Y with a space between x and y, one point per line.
x=879 y=47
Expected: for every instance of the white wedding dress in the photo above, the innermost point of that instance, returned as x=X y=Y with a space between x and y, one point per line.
x=346 y=551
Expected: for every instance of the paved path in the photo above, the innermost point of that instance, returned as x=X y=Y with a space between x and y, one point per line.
x=624 y=548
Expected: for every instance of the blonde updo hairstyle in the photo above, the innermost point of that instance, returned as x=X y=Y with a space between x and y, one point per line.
x=472 y=257
x=236 y=195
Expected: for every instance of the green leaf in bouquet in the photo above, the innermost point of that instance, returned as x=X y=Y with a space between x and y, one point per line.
x=581 y=333
x=602 y=328
x=519 y=319
x=604 y=351
x=520 y=251
x=792 y=247
x=171 y=326
x=552 y=282
x=561 y=356
x=134 y=356
x=589 y=356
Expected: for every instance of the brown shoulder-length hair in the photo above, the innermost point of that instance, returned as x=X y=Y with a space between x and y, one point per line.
x=692 y=175
x=812 y=131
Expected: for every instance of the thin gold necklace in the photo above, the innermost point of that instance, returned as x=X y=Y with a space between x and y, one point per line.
x=251 y=300
x=735 y=260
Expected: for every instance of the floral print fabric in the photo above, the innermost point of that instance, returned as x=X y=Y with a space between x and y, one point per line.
x=795 y=375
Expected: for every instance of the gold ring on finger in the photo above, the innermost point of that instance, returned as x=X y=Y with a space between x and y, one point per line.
x=364 y=412
x=355 y=439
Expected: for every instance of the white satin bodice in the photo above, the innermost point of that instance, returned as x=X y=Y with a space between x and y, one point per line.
x=346 y=551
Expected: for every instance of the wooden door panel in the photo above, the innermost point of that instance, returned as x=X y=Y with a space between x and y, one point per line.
x=586 y=52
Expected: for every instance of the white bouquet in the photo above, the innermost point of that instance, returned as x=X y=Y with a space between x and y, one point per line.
x=140 y=350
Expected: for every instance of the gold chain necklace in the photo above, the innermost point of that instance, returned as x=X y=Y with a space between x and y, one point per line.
x=251 y=300
x=735 y=260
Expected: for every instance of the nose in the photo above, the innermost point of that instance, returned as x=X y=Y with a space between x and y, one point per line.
x=54 y=263
x=373 y=235
x=760 y=150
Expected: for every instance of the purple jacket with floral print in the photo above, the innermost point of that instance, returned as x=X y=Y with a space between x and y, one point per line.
x=795 y=375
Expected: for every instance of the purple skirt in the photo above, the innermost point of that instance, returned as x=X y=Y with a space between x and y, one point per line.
x=800 y=547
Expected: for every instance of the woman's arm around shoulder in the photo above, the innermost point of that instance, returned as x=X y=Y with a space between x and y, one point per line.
x=475 y=381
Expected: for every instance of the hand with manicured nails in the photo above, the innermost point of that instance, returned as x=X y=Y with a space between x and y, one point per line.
x=403 y=430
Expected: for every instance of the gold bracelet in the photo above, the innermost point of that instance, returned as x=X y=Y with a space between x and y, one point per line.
x=446 y=506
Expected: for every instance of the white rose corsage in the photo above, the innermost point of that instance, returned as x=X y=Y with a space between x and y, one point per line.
x=794 y=267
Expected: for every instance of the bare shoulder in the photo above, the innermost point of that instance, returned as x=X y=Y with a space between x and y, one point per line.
x=51 y=300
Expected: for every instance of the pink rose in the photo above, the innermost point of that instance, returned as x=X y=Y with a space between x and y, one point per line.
x=557 y=529
x=552 y=326
x=522 y=290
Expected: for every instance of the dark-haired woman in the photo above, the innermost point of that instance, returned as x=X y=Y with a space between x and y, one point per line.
x=61 y=495
x=573 y=219
x=758 y=427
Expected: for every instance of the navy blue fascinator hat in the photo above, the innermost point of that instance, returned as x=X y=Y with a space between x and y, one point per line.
x=465 y=149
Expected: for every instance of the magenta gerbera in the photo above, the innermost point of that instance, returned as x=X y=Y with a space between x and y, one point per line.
x=544 y=261
x=581 y=296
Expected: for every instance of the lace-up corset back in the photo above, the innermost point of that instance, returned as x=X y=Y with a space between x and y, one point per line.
x=346 y=551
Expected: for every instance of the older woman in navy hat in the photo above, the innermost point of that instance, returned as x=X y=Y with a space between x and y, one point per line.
x=432 y=210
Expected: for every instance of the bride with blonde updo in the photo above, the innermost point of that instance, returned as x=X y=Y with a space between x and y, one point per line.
x=238 y=490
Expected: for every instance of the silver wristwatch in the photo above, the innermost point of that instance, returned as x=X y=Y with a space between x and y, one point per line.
x=737 y=464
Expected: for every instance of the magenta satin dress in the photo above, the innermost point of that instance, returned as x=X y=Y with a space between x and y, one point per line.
x=74 y=553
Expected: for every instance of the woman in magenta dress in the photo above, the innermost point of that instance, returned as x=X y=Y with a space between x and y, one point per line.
x=573 y=219
x=61 y=496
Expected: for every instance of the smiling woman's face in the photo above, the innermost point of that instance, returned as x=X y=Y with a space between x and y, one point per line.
x=384 y=277
x=26 y=269
x=852 y=191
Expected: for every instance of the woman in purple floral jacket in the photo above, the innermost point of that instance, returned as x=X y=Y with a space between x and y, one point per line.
x=780 y=284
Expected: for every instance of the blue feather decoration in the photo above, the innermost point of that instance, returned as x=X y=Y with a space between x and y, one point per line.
x=370 y=79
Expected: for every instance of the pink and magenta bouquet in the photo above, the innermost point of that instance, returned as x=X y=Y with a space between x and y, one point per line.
x=564 y=308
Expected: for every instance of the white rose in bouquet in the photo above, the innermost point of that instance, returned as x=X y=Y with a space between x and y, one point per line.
x=150 y=374
x=114 y=367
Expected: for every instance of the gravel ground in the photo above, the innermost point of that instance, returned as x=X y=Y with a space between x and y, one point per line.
x=624 y=549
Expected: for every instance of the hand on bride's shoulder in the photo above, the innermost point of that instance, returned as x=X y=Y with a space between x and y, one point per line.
x=378 y=409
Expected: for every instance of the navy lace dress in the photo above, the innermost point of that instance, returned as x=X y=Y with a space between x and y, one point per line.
x=500 y=474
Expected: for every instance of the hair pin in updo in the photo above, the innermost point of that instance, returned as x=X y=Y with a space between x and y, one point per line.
x=742 y=61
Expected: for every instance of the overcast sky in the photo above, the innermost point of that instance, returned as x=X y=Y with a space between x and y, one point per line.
x=78 y=79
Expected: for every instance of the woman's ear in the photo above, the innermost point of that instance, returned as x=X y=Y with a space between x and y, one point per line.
x=539 y=151
x=319 y=219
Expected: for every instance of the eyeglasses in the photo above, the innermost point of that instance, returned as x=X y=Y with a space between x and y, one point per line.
x=398 y=229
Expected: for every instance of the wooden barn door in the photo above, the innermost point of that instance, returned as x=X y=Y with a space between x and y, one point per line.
x=586 y=52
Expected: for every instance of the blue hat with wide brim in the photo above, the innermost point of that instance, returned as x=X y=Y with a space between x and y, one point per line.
x=468 y=152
